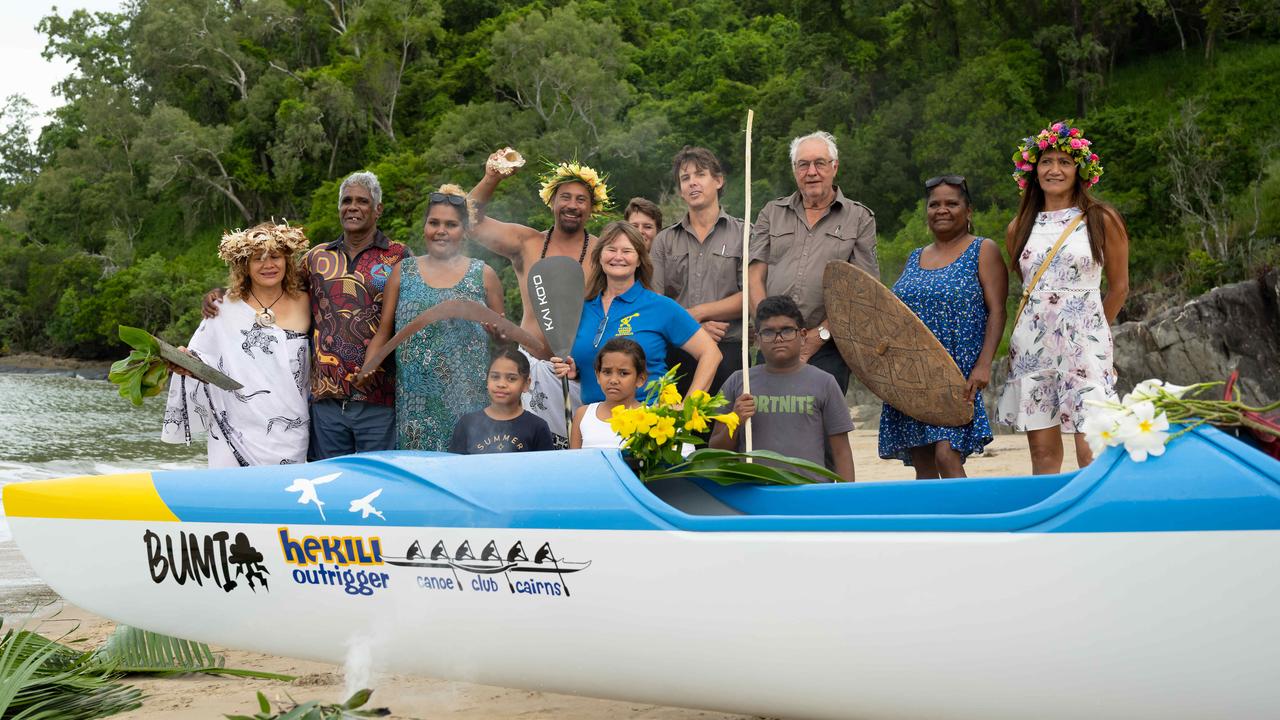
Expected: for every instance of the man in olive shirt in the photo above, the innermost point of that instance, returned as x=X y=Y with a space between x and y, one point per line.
x=795 y=236
x=698 y=262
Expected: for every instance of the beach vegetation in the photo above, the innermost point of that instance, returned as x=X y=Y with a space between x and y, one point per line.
x=182 y=119
x=316 y=710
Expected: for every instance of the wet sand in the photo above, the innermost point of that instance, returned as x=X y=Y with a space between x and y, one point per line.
x=408 y=697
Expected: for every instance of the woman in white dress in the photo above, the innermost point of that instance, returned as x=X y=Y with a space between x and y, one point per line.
x=260 y=340
x=1061 y=350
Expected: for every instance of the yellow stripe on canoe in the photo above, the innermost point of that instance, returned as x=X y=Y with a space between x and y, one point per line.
x=128 y=496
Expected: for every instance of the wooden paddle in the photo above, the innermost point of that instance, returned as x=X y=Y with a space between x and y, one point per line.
x=456 y=310
x=555 y=290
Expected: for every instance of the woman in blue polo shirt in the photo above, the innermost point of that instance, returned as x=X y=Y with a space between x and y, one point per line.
x=619 y=304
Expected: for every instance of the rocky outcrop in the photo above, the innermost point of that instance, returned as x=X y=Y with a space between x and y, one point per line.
x=1235 y=326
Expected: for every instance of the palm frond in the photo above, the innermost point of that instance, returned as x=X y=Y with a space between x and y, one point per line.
x=42 y=678
x=132 y=650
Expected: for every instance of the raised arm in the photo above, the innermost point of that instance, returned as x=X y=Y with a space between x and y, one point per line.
x=506 y=239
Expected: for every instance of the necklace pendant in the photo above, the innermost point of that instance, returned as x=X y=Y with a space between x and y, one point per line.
x=266 y=318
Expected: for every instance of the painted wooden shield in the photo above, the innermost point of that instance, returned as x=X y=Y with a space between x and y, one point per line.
x=555 y=288
x=890 y=350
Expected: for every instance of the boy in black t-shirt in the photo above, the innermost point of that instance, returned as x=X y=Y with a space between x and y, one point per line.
x=504 y=426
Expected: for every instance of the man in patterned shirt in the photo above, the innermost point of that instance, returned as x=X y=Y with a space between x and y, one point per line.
x=345 y=279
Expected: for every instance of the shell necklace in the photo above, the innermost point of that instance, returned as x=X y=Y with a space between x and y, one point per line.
x=266 y=318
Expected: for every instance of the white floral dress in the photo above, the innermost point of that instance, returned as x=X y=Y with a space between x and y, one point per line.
x=1061 y=350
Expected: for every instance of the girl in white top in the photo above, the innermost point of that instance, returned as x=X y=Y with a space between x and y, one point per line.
x=620 y=370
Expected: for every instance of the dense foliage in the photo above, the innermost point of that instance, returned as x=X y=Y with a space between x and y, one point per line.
x=185 y=117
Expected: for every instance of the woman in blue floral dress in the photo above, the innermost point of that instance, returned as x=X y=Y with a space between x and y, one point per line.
x=1060 y=352
x=441 y=370
x=957 y=286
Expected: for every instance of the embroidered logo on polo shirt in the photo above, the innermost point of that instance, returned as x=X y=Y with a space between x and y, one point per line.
x=624 y=325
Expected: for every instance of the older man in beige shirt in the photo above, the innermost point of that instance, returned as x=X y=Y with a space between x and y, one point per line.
x=698 y=261
x=795 y=236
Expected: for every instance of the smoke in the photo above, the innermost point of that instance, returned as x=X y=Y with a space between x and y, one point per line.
x=357 y=670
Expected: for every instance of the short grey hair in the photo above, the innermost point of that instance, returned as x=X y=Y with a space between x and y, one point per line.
x=822 y=135
x=366 y=180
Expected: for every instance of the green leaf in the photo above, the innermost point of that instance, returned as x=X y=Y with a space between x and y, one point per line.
x=132 y=650
x=357 y=699
x=139 y=339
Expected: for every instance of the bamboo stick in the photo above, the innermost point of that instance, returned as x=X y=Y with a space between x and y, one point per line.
x=746 y=261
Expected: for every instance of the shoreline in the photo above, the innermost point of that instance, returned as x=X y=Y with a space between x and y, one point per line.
x=36 y=364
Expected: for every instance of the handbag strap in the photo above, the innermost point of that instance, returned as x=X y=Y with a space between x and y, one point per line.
x=1026 y=292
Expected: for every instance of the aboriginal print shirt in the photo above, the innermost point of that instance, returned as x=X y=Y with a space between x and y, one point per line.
x=346 y=306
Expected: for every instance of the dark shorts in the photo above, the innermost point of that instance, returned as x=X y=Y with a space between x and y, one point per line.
x=730 y=362
x=342 y=427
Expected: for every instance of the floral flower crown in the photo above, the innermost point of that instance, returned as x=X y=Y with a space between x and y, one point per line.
x=575 y=172
x=1058 y=136
x=263 y=238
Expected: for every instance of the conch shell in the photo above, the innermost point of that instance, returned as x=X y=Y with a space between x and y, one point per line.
x=505 y=161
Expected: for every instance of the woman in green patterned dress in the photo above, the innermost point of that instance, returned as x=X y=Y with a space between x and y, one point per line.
x=441 y=370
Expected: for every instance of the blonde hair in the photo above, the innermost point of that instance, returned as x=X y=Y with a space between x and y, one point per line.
x=239 y=247
x=466 y=211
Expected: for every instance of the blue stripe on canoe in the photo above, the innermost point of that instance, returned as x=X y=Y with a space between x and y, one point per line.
x=1205 y=481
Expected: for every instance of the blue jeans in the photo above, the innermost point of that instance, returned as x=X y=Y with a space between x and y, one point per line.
x=342 y=427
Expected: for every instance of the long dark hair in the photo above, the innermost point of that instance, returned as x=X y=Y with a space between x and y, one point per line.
x=596 y=280
x=1095 y=214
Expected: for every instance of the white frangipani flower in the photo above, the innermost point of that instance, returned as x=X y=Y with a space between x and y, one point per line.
x=1143 y=432
x=1101 y=427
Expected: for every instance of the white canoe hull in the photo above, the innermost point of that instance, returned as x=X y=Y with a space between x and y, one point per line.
x=1160 y=625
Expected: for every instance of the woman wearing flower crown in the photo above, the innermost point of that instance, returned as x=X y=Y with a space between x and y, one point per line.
x=260 y=340
x=441 y=372
x=1061 y=243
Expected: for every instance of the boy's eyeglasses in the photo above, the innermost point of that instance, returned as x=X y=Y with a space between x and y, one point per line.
x=771 y=335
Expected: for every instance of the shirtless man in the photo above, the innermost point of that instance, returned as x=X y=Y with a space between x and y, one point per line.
x=573 y=193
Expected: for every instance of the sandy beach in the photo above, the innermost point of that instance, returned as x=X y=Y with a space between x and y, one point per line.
x=407 y=697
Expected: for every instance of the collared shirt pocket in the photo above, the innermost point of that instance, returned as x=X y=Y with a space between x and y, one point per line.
x=676 y=270
x=728 y=256
x=780 y=243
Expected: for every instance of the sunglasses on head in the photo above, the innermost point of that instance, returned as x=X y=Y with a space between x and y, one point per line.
x=439 y=197
x=934 y=182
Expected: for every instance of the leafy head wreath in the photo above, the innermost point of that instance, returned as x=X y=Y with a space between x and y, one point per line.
x=1058 y=136
x=259 y=239
x=559 y=174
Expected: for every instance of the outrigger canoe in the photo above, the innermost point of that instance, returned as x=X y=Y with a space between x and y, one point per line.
x=1124 y=590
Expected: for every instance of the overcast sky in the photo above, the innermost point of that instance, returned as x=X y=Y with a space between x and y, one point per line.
x=27 y=73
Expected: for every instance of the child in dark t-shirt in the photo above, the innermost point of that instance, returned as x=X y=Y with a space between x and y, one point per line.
x=797 y=409
x=504 y=426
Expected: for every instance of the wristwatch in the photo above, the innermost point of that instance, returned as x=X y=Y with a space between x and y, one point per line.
x=823 y=333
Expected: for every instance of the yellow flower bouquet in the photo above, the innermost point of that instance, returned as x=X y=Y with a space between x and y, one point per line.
x=655 y=433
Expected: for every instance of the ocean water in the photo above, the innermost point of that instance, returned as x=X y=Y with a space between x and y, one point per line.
x=53 y=426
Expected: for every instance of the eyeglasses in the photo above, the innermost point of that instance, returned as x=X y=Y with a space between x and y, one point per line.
x=439 y=197
x=820 y=165
x=604 y=321
x=934 y=182
x=771 y=335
